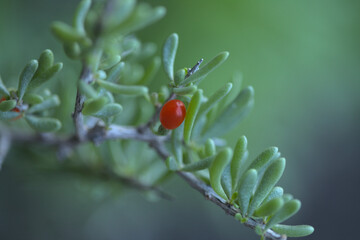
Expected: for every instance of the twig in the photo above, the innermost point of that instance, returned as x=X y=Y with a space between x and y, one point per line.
x=210 y=195
x=157 y=143
x=86 y=76
x=99 y=133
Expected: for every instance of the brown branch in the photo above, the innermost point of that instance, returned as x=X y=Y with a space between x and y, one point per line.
x=86 y=76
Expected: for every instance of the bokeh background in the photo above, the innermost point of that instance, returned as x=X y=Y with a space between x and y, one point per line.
x=303 y=59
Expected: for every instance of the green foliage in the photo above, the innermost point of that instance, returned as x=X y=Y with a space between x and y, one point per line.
x=43 y=124
x=246 y=188
x=209 y=67
x=217 y=168
x=191 y=113
x=169 y=53
x=116 y=77
x=51 y=102
x=3 y=89
x=109 y=110
x=238 y=161
x=269 y=179
x=8 y=115
x=269 y=208
x=93 y=105
x=199 y=165
x=7 y=105
x=294 y=231
x=123 y=89
x=25 y=102
x=232 y=115
x=290 y=208
x=26 y=75
x=185 y=90
x=33 y=98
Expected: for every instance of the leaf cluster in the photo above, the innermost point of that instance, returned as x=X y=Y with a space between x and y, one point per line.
x=26 y=101
x=114 y=87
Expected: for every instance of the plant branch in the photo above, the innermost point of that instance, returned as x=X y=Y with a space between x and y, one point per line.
x=86 y=76
x=210 y=195
x=100 y=133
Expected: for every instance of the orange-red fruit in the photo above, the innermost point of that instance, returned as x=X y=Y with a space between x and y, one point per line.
x=172 y=114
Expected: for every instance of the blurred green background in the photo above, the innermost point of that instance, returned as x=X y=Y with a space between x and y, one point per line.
x=303 y=59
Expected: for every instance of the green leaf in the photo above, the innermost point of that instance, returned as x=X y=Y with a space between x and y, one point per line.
x=226 y=181
x=109 y=62
x=150 y=71
x=72 y=50
x=293 y=231
x=191 y=113
x=115 y=72
x=246 y=188
x=232 y=115
x=215 y=98
x=268 y=181
x=45 y=76
x=269 y=208
x=287 y=197
x=289 y=209
x=238 y=161
x=142 y=16
x=210 y=104
x=87 y=90
x=264 y=158
x=33 y=98
x=109 y=110
x=179 y=76
x=8 y=115
x=176 y=143
x=43 y=124
x=275 y=192
x=209 y=148
x=101 y=74
x=169 y=53
x=171 y=164
x=46 y=60
x=51 y=102
x=121 y=10
x=199 y=165
x=185 y=90
x=164 y=93
x=234 y=92
x=80 y=15
x=3 y=89
x=26 y=76
x=217 y=168
x=123 y=89
x=66 y=33
x=7 y=105
x=207 y=68
x=93 y=105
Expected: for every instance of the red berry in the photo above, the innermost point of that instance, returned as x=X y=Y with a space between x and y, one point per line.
x=172 y=114
x=2 y=99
